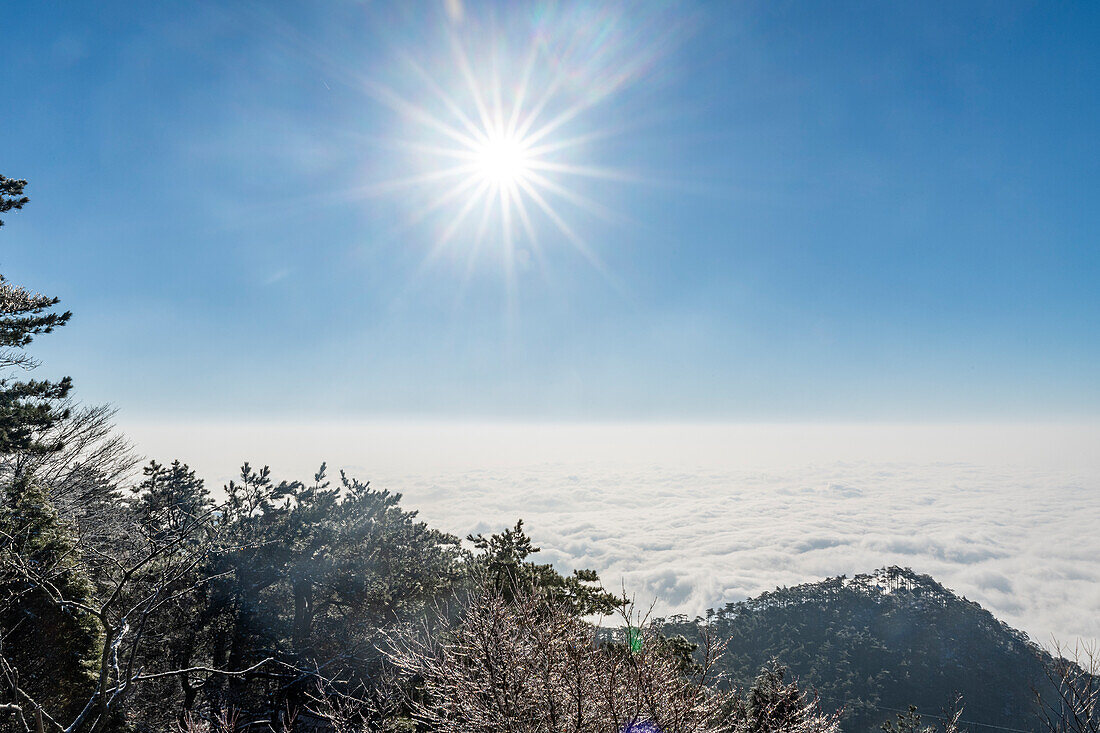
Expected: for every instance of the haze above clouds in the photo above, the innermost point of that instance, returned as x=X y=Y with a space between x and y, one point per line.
x=696 y=515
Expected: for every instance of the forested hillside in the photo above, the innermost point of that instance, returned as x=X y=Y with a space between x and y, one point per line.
x=875 y=644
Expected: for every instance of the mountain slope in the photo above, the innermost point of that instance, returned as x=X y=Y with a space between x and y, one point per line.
x=877 y=643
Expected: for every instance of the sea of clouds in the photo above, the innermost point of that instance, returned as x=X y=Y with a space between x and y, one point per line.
x=693 y=516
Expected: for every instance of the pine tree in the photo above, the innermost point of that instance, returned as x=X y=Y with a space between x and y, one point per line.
x=48 y=639
x=171 y=500
x=11 y=195
x=26 y=407
x=503 y=561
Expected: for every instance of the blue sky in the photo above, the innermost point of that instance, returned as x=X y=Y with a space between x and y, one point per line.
x=832 y=211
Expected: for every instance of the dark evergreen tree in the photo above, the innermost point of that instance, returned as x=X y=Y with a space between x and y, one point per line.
x=171 y=499
x=774 y=703
x=503 y=562
x=49 y=647
x=11 y=195
x=26 y=407
x=301 y=580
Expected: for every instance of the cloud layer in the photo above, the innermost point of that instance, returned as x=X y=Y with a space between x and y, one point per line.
x=1023 y=544
x=697 y=516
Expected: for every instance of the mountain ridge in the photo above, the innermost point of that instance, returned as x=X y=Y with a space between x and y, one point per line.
x=877 y=642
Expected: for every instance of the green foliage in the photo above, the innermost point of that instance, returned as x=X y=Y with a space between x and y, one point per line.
x=170 y=499
x=502 y=559
x=52 y=646
x=773 y=703
x=27 y=408
x=770 y=703
x=679 y=648
x=11 y=195
x=305 y=575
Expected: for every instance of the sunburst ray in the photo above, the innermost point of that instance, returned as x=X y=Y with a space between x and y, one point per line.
x=500 y=135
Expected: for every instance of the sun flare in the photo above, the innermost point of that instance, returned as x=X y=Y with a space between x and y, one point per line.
x=504 y=143
x=502 y=160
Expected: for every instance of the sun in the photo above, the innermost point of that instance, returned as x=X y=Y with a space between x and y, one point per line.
x=495 y=157
x=502 y=160
x=503 y=147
